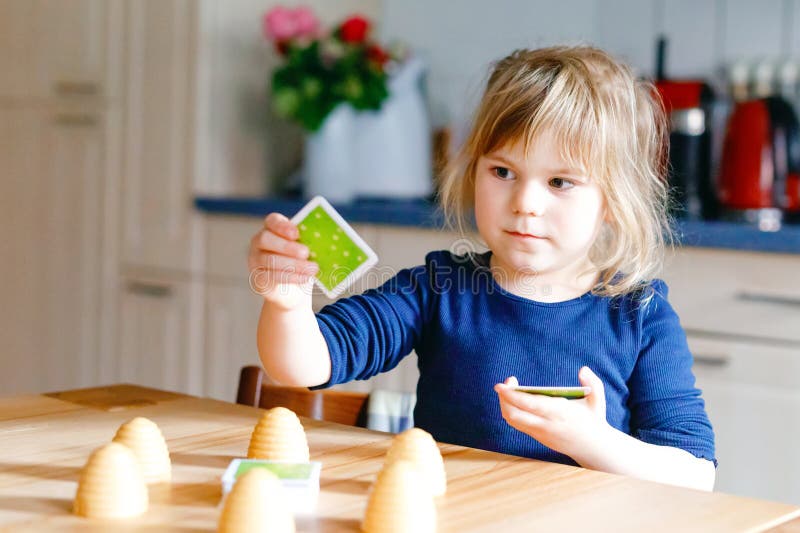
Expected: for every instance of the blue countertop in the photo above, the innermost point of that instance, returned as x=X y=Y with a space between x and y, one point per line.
x=424 y=214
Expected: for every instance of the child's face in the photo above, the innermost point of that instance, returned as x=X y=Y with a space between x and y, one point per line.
x=535 y=214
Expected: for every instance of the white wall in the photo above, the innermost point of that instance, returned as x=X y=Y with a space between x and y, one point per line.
x=461 y=37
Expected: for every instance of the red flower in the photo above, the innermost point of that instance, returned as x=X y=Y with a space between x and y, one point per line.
x=354 y=29
x=377 y=54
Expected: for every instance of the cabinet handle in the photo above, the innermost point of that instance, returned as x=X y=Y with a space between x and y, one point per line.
x=76 y=120
x=764 y=297
x=150 y=289
x=712 y=360
x=78 y=88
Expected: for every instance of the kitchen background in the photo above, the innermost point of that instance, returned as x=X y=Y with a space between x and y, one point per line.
x=138 y=154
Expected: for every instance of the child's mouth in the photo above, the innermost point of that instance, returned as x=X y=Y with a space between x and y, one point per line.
x=523 y=236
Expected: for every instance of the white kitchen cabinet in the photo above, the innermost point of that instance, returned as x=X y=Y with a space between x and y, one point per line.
x=232 y=312
x=753 y=403
x=160 y=328
x=16 y=41
x=746 y=295
x=58 y=132
x=71 y=40
x=52 y=246
x=741 y=312
x=158 y=146
x=54 y=48
x=21 y=352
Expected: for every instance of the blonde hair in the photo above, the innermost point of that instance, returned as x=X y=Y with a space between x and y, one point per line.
x=606 y=123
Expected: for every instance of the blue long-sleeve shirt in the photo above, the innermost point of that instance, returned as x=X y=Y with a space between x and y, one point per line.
x=469 y=334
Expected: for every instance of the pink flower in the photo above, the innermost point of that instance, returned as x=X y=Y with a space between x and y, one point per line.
x=278 y=24
x=307 y=23
x=282 y=23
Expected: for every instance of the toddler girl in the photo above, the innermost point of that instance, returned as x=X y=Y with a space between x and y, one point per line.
x=563 y=174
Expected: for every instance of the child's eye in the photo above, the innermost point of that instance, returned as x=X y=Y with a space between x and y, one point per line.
x=503 y=173
x=561 y=183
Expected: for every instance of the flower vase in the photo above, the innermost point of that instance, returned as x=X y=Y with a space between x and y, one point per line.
x=328 y=159
x=393 y=154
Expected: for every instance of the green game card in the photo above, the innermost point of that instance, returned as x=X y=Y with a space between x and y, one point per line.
x=341 y=254
x=296 y=471
x=570 y=393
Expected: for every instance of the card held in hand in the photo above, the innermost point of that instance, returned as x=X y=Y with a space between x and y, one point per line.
x=570 y=393
x=341 y=254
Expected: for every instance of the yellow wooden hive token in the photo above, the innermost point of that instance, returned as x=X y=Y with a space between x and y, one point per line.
x=147 y=442
x=111 y=484
x=400 y=501
x=417 y=445
x=279 y=436
x=256 y=503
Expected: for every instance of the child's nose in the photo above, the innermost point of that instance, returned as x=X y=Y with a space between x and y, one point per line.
x=529 y=199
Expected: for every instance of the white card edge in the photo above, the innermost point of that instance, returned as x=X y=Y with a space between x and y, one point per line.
x=372 y=257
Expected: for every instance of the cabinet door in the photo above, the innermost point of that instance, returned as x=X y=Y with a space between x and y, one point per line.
x=157 y=330
x=21 y=356
x=159 y=108
x=53 y=48
x=753 y=403
x=757 y=430
x=740 y=294
x=69 y=37
x=52 y=188
x=16 y=42
x=232 y=313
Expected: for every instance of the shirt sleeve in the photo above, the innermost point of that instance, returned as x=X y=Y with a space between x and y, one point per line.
x=666 y=408
x=370 y=333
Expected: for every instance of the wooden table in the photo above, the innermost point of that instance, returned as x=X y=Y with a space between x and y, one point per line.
x=46 y=439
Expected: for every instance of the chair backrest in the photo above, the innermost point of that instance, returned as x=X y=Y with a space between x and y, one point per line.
x=342 y=407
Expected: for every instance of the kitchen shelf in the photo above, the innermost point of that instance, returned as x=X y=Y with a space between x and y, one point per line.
x=425 y=214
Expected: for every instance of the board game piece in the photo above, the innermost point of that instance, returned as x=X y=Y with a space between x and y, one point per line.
x=144 y=437
x=111 y=485
x=279 y=436
x=256 y=503
x=400 y=501
x=417 y=446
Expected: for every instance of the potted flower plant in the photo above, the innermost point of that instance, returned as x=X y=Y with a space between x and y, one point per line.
x=320 y=70
x=334 y=84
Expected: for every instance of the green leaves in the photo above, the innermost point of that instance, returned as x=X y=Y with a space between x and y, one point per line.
x=319 y=75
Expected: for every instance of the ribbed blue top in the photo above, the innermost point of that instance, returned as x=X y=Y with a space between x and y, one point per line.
x=470 y=334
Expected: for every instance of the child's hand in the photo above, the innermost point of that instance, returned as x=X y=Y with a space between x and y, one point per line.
x=279 y=269
x=571 y=427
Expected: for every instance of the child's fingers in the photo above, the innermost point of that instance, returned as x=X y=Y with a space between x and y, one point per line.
x=597 y=398
x=282 y=263
x=519 y=418
x=510 y=381
x=270 y=241
x=281 y=225
x=543 y=406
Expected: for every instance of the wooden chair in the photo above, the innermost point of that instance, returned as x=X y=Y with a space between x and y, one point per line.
x=332 y=406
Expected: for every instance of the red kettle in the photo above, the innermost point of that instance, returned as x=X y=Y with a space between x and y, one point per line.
x=760 y=166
